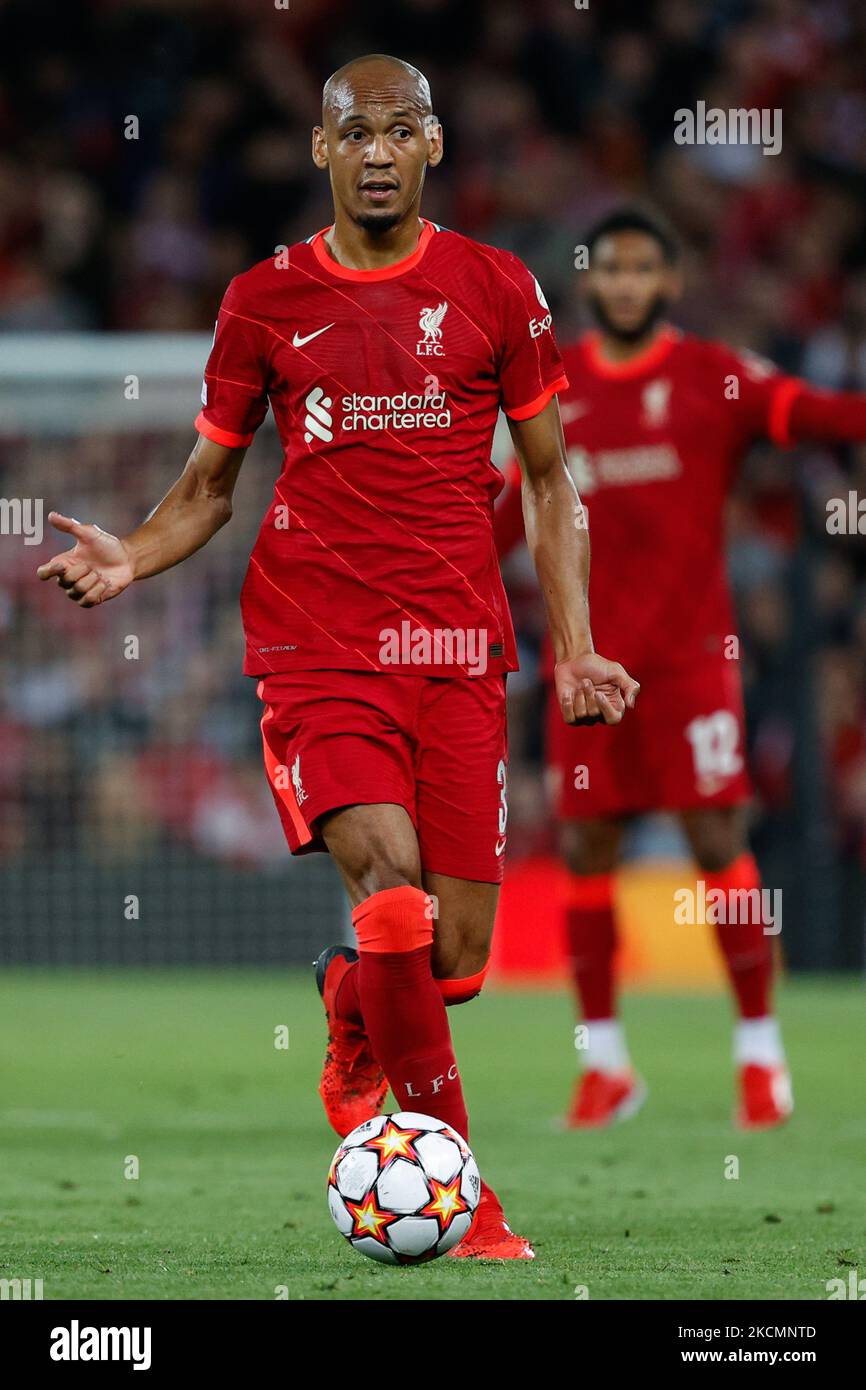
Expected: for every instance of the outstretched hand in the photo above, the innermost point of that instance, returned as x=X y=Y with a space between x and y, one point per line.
x=97 y=568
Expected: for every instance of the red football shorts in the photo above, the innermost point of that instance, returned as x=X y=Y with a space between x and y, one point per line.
x=681 y=747
x=436 y=746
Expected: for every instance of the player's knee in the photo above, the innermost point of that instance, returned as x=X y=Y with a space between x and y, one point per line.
x=374 y=847
x=715 y=856
x=461 y=946
x=717 y=841
x=374 y=875
x=589 y=847
x=462 y=959
x=378 y=865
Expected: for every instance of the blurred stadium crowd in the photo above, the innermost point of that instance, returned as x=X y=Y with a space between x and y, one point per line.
x=552 y=114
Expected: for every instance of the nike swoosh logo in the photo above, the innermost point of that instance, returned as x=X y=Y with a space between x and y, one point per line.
x=500 y=848
x=298 y=341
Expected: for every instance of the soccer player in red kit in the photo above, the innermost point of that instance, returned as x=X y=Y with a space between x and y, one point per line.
x=376 y=623
x=656 y=423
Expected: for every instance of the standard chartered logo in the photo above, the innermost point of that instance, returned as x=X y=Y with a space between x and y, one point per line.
x=405 y=410
x=318 y=419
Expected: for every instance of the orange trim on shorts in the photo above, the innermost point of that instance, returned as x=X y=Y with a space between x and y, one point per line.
x=589 y=890
x=285 y=794
x=394 y=919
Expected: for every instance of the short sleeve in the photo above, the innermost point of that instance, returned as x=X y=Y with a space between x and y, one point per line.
x=234 y=390
x=530 y=367
x=761 y=395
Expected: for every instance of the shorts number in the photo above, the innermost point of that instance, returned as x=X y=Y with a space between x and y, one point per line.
x=503 y=798
x=715 y=745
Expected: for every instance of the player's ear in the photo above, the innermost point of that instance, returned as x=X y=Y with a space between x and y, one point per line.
x=434 y=142
x=675 y=282
x=320 y=148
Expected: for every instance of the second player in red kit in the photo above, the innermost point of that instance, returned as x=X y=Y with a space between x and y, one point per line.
x=656 y=424
x=654 y=443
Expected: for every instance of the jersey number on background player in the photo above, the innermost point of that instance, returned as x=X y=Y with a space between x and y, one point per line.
x=714 y=740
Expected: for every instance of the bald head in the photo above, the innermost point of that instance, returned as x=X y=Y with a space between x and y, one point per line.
x=376 y=78
x=377 y=138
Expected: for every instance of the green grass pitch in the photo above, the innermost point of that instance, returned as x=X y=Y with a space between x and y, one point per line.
x=180 y=1071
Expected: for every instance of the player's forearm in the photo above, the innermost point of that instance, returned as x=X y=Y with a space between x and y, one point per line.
x=179 y=526
x=192 y=511
x=558 y=542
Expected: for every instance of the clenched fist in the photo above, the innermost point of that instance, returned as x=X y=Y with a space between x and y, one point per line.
x=97 y=568
x=593 y=690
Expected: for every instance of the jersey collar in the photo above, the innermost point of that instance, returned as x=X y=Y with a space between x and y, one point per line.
x=645 y=361
x=366 y=277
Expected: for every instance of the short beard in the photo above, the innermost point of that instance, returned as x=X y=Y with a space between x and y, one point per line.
x=377 y=223
x=654 y=313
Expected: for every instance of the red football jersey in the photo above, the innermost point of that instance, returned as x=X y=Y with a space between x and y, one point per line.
x=653 y=447
x=377 y=551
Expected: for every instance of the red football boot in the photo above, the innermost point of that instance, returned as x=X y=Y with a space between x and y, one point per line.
x=353 y=1085
x=490 y=1237
x=765 y=1096
x=603 y=1097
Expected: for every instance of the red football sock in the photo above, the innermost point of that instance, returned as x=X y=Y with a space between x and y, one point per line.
x=404 y=1013
x=461 y=991
x=747 y=951
x=591 y=936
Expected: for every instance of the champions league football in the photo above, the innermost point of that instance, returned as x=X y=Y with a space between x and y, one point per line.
x=403 y=1188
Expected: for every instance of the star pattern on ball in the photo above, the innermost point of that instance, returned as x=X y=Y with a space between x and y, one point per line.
x=368 y=1219
x=332 y=1171
x=465 y=1151
x=394 y=1142
x=446 y=1202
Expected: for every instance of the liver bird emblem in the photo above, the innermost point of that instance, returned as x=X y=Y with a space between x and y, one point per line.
x=430 y=321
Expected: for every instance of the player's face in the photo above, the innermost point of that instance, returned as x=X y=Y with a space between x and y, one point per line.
x=377 y=140
x=629 y=284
